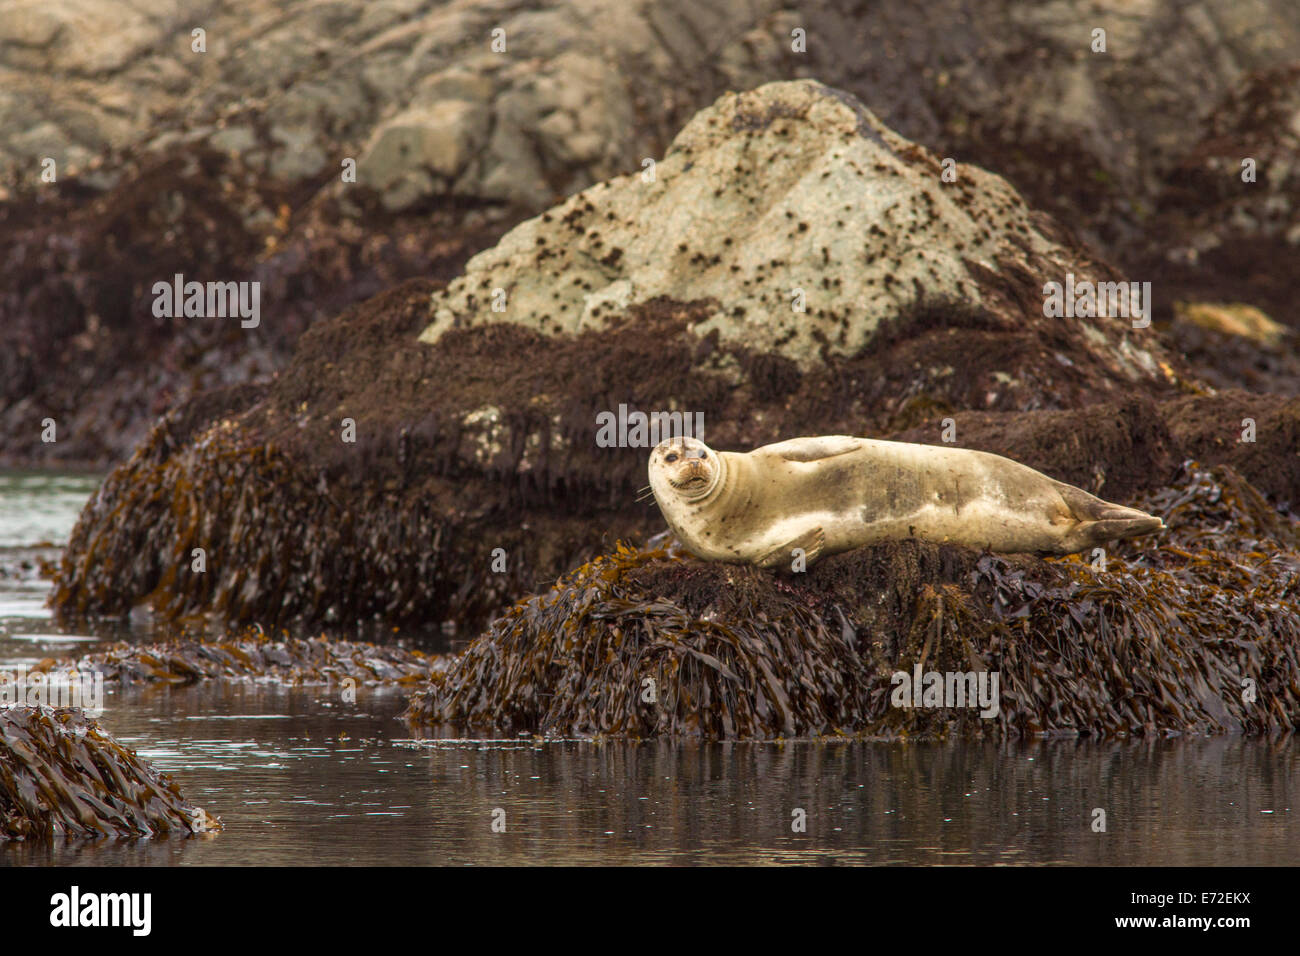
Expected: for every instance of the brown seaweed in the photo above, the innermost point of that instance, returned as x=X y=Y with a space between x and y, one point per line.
x=486 y=442
x=62 y=774
x=253 y=654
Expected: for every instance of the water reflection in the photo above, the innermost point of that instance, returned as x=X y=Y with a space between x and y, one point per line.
x=300 y=777
x=37 y=514
x=41 y=507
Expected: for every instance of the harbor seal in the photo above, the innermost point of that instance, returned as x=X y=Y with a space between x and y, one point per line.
x=834 y=493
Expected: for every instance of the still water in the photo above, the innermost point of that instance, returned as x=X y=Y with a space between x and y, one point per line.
x=298 y=777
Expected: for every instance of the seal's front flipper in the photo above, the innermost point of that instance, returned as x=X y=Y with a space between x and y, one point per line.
x=813 y=448
x=798 y=553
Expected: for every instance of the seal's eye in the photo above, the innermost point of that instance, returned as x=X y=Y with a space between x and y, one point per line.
x=670 y=458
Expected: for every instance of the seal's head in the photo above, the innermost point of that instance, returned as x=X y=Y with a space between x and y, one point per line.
x=684 y=468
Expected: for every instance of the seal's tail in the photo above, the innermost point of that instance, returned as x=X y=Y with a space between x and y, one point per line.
x=1101 y=521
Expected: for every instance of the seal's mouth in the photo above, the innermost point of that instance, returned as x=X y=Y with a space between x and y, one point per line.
x=691 y=474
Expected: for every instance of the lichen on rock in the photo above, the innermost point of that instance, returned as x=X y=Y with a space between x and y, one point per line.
x=790 y=194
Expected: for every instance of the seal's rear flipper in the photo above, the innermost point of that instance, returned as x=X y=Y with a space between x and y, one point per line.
x=810 y=542
x=1101 y=521
x=1096 y=534
x=1110 y=529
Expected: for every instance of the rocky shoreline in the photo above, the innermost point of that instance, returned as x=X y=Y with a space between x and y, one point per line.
x=423 y=459
x=453 y=143
x=534 y=243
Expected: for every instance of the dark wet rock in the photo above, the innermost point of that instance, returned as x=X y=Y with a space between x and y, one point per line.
x=1222 y=248
x=63 y=775
x=644 y=643
x=81 y=343
x=1218 y=238
x=1236 y=346
x=285 y=660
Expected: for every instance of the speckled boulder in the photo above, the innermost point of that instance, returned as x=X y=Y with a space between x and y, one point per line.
x=803 y=219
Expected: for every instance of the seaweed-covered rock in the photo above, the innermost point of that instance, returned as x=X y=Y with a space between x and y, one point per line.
x=1200 y=634
x=1226 y=227
x=62 y=774
x=286 y=660
x=381 y=477
x=300 y=526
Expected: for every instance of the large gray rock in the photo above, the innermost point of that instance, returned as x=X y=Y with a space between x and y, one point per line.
x=791 y=194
